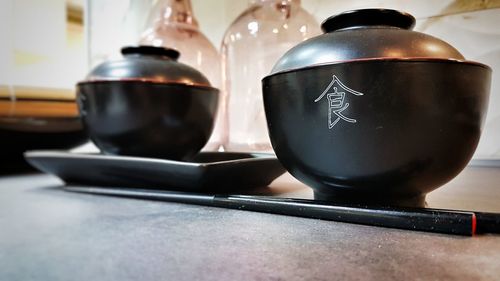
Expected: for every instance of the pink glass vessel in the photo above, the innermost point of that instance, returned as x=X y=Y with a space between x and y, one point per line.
x=173 y=25
x=251 y=46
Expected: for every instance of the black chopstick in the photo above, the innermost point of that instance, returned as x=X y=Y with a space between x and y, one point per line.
x=455 y=222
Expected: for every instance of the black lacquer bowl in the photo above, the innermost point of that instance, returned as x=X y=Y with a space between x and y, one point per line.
x=375 y=130
x=148 y=119
x=148 y=105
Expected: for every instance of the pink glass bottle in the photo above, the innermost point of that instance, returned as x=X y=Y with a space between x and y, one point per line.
x=173 y=25
x=251 y=46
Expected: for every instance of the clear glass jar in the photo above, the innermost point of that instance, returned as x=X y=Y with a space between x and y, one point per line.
x=173 y=25
x=250 y=48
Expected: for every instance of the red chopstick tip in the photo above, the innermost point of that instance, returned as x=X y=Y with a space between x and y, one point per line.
x=474 y=223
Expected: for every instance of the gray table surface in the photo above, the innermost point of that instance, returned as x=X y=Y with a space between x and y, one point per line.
x=49 y=234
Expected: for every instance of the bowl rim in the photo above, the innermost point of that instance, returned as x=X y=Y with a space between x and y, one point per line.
x=383 y=59
x=147 y=81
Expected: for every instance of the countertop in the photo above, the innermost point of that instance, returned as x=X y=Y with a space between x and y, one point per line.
x=50 y=234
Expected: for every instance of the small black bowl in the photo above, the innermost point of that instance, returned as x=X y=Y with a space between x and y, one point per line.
x=148 y=104
x=143 y=118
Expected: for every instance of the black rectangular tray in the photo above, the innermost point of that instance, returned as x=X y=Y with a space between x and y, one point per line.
x=207 y=172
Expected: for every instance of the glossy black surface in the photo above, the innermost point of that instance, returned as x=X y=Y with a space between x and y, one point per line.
x=149 y=63
x=170 y=121
x=366 y=34
x=407 y=127
x=207 y=172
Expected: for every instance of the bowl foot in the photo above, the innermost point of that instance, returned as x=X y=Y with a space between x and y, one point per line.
x=414 y=202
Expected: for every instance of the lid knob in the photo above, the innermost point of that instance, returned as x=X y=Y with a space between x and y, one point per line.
x=368 y=17
x=150 y=51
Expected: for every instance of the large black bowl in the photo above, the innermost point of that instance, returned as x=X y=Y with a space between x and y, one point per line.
x=148 y=119
x=377 y=130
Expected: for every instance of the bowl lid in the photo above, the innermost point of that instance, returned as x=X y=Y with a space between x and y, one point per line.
x=366 y=34
x=148 y=64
